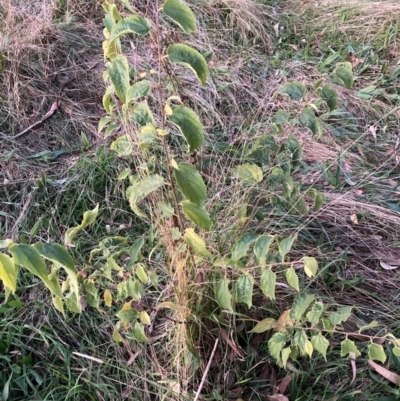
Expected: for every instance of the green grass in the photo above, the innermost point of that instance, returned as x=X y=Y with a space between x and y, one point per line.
x=248 y=64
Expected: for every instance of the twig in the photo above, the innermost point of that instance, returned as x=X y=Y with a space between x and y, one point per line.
x=203 y=379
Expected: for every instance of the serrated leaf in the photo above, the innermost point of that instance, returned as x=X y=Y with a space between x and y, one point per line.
x=197 y=243
x=264 y=325
x=315 y=313
x=248 y=174
x=268 y=283
x=190 y=126
x=142 y=114
x=180 y=13
x=261 y=248
x=341 y=315
x=320 y=344
x=241 y=247
x=295 y=90
x=108 y=298
x=300 y=305
x=119 y=74
x=8 y=272
x=223 y=295
x=329 y=95
x=292 y=279
x=275 y=345
x=348 y=346
x=286 y=245
x=138 y=333
x=122 y=146
x=28 y=257
x=285 y=356
x=197 y=215
x=138 y=90
x=190 y=58
x=244 y=289
x=376 y=353
x=310 y=266
x=190 y=183
x=344 y=76
x=308 y=120
x=134 y=24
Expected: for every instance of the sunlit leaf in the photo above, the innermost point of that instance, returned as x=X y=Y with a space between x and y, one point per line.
x=310 y=266
x=122 y=146
x=145 y=318
x=190 y=58
x=141 y=273
x=197 y=243
x=248 y=174
x=108 y=298
x=8 y=272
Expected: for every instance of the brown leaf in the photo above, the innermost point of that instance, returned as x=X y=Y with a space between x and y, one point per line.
x=283 y=385
x=276 y=29
x=234 y=347
x=235 y=393
x=284 y=321
x=387 y=374
x=353 y=365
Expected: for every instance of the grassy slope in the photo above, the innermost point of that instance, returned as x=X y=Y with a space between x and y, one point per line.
x=249 y=63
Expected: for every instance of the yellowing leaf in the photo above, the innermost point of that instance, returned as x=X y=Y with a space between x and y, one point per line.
x=264 y=325
x=145 y=318
x=354 y=219
x=197 y=243
x=248 y=174
x=122 y=146
x=310 y=266
x=197 y=214
x=8 y=272
x=292 y=279
x=108 y=298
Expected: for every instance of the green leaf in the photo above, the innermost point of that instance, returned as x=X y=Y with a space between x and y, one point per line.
x=103 y=122
x=368 y=326
x=310 y=266
x=190 y=58
x=376 y=353
x=281 y=117
x=244 y=289
x=295 y=90
x=300 y=305
x=138 y=90
x=241 y=248
x=318 y=202
x=142 y=114
x=308 y=120
x=127 y=315
x=348 y=346
x=293 y=145
x=292 y=279
x=141 y=189
x=286 y=245
x=275 y=345
x=320 y=344
x=72 y=303
x=8 y=272
x=138 y=333
x=166 y=209
x=344 y=76
x=135 y=251
x=190 y=183
x=180 y=13
x=341 y=315
x=197 y=214
x=28 y=257
x=133 y=24
x=264 y=325
x=223 y=295
x=315 y=313
x=59 y=255
x=329 y=95
x=197 y=243
x=145 y=318
x=141 y=274
x=122 y=146
x=125 y=173
x=189 y=125
x=119 y=74
x=268 y=283
x=285 y=355
x=261 y=248
x=88 y=218
x=248 y=174
x=127 y=5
